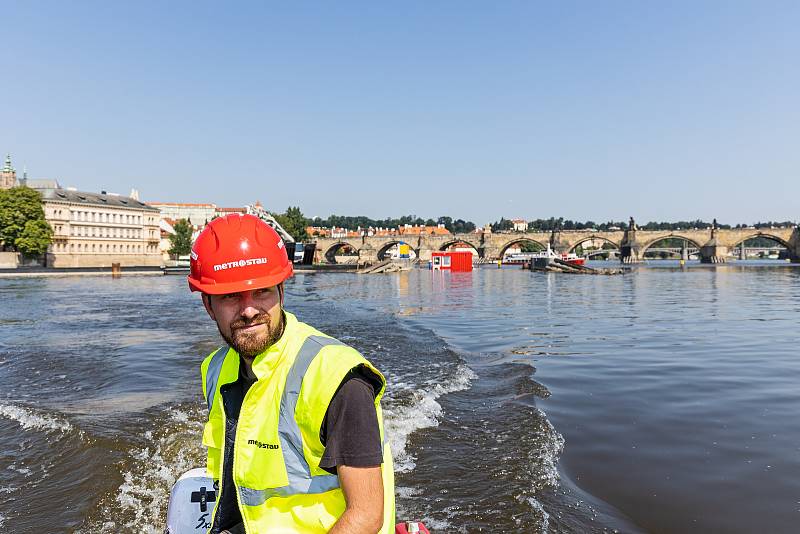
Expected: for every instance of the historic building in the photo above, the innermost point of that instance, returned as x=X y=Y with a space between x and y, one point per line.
x=8 y=176
x=98 y=229
x=197 y=214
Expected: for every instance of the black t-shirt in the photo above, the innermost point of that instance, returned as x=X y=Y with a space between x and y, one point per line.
x=350 y=429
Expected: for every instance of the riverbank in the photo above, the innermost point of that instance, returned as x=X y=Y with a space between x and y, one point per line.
x=41 y=272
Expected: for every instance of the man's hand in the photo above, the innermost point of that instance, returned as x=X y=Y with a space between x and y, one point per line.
x=363 y=493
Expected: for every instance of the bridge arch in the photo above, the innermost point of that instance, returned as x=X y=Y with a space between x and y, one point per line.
x=447 y=244
x=509 y=244
x=741 y=245
x=330 y=253
x=764 y=235
x=453 y=242
x=594 y=238
x=660 y=238
x=386 y=246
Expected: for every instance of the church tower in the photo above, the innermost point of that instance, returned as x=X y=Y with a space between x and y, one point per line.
x=8 y=176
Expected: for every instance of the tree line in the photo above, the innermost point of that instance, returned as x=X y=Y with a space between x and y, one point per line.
x=553 y=223
x=295 y=223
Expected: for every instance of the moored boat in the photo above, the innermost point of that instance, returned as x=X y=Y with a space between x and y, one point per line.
x=547 y=254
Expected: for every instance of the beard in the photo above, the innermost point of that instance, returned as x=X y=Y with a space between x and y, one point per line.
x=250 y=345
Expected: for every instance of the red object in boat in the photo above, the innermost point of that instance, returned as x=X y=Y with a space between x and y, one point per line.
x=573 y=259
x=550 y=254
x=402 y=528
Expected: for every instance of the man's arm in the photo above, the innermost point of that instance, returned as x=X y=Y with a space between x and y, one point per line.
x=363 y=493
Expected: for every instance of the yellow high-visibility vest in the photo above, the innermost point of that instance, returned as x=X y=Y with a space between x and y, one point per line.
x=279 y=485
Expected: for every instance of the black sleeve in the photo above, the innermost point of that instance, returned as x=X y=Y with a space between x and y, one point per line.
x=350 y=429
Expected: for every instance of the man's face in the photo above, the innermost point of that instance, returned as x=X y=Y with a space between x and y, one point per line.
x=250 y=321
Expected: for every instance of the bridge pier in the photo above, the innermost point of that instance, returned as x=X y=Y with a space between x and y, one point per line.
x=685 y=252
x=559 y=245
x=424 y=254
x=742 y=252
x=367 y=254
x=630 y=251
x=794 y=246
x=489 y=253
x=713 y=251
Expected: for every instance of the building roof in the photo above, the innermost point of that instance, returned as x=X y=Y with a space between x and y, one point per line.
x=39 y=184
x=231 y=210
x=182 y=204
x=418 y=230
x=95 y=199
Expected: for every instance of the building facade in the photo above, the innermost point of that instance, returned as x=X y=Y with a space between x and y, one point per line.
x=197 y=214
x=96 y=230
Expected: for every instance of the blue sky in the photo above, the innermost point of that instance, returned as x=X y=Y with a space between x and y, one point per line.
x=586 y=110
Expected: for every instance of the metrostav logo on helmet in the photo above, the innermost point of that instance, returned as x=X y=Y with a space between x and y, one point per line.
x=240 y=263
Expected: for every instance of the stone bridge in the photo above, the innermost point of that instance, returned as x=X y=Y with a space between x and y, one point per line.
x=714 y=243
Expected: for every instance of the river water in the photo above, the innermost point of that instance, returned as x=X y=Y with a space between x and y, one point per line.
x=662 y=400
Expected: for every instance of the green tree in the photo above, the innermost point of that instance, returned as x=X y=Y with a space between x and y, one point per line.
x=530 y=246
x=18 y=207
x=294 y=222
x=503 y=226
x=35 y=238
x=181 y=240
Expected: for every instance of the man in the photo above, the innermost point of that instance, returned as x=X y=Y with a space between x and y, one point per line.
x=295 y=432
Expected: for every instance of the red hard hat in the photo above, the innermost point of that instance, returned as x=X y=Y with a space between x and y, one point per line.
x=237 y=253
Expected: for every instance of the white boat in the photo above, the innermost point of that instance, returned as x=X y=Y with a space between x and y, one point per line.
x=548 y=253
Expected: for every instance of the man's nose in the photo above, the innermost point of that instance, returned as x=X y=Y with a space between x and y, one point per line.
x=247 y=307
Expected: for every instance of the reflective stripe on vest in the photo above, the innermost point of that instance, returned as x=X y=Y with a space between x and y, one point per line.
x=297 y=469
x=212 y=374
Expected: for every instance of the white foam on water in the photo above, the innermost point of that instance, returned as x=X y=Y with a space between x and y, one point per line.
x=179 y=416
x=405 y=492
x=434 y=525
x=422 y=412
x=2 y=520
x=21 y=470
x=140 y=504
x=548 y=454
x=544 y=525
x=30 y=419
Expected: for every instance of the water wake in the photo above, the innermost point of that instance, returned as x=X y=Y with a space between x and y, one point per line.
x=33 y=419
x=415 y=408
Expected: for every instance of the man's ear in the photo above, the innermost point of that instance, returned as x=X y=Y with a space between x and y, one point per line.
x=280 y=291
x=207 y=305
